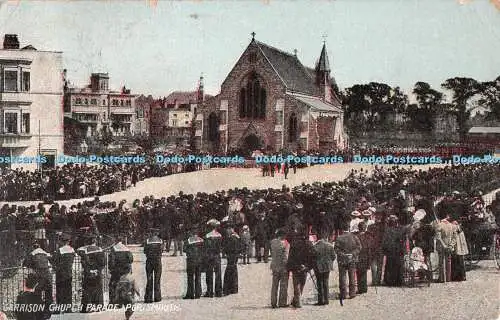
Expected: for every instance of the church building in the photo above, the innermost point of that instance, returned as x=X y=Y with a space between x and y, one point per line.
x=270 y=101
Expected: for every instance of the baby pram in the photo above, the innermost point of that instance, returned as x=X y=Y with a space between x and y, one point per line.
x=416 y=270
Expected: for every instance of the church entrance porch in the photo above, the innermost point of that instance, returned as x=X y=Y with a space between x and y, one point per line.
x=250 y=143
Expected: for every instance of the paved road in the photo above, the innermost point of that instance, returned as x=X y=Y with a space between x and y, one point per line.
x=477 y=298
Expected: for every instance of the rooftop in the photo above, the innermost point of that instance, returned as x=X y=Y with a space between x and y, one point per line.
x=495 y=130
x=292 y=72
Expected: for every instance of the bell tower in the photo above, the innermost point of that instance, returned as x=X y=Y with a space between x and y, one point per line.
x=323 y=75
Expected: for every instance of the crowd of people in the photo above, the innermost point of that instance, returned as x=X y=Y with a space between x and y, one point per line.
x=367 y=215
x=75 y=180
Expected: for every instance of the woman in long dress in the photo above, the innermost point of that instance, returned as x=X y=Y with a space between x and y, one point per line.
x=447 y=235
x=392 y=247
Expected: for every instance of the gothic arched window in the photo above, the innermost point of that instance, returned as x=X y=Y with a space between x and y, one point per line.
x=253 y=99
x=213 y=127
x=293 y=128
x=243 y=103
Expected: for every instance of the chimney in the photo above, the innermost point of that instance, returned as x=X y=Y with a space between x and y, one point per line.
x=10 y=41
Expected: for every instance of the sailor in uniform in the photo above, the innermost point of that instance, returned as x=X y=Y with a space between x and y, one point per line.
x=62 y=260
x=93 y=262
x=153 y=248
x=38 y=261
x=213 y=248
x=120 y=260
x=194 y=253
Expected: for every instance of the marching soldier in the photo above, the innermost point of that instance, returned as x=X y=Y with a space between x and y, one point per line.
x=93 y=262
x=232 y=250
x=213 y=245
x=120 y=260
x=62 y=260
x=193 y=247
x=153 y=248
x=286 y=169
x=38 y=261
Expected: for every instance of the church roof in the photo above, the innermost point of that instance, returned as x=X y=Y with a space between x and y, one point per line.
x=315 y=103
x=182 y=97
x=291 y=71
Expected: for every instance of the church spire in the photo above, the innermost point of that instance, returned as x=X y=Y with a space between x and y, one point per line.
x=323 y=64
x=323 y=75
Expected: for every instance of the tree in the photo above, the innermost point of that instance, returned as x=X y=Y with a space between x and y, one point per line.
x=422 y=114
x=490 y=98
x=463 y=89
x=367 y=105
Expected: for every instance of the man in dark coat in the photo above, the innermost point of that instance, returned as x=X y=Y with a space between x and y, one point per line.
x=300 y=260
x=376 y=232
x=261 y=236
x=29 y=297
x=325 y=255
x=392 y=247
x=62 y=261
x=232 y=250
x=286 y=169
x=365 y=257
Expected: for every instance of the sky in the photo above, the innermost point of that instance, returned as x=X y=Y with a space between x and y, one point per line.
x=156 y=47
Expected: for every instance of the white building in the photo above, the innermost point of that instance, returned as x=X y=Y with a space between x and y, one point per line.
x=100 y=109
x=31 y=103
x=179 y=118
